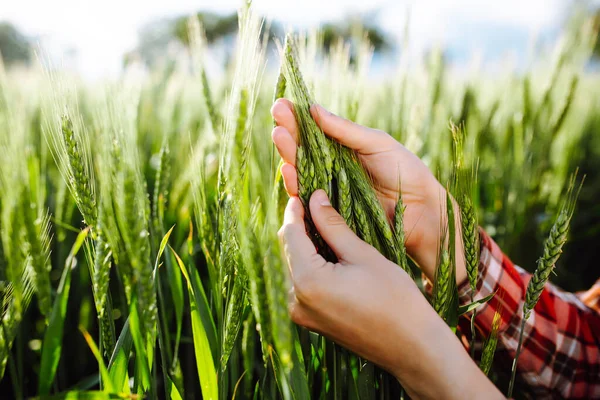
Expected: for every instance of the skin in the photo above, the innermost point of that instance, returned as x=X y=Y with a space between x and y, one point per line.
x=355 y=301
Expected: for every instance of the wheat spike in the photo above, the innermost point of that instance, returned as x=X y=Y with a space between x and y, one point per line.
x=79 y=179
x=552 y=249
x=236 y=303
x=310 y=135
x=470 y=236
x=489 y=347
x=101 y=277
x=546 y=264
x=442 y=284
x=399 y=233
x=345 y=199
x=161 y=186
x=38 y=243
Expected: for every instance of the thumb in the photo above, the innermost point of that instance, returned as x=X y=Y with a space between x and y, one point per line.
x=332 y=227
x=357 y=137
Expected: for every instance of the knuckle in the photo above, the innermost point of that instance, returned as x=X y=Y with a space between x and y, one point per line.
x=382 y=135
x=296 y=314
x=335 y=219
x=285 y=231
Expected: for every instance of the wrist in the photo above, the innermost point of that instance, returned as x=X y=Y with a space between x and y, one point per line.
x=436 y=366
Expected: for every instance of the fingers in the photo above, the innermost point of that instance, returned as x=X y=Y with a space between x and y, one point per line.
x=364 y=140
x=357 y=137
x=283 y=113
x=332 y=227
x=299 y=249
x=290 y=179
x=285 y=143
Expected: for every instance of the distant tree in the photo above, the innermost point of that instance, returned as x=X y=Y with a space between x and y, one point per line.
x=216 y=26
x=155 y=37
x=14 y=46
x=332 y=32
x=153 y=41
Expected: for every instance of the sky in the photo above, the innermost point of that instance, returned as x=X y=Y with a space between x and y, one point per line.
x=94 y=35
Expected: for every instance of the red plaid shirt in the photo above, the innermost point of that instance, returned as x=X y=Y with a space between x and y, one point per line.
x=560 y=357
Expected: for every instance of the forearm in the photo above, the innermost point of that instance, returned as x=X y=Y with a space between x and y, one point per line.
x=432 y=363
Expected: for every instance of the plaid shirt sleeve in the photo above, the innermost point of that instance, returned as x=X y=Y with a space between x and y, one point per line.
x=560 y=356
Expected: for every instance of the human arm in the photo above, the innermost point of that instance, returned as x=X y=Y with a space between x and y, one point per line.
x=385 y=159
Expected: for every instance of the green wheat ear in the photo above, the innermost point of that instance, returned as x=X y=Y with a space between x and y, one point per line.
x=236 y=303
x=345 y=199
x=161 y=187
x=399 y=234
x=79 y=178
x=552 y=248
x=441 y=283
x=546 y=264
x=470 y=236
x=464 y=178
x=489 y=347
x=445 y=292
x=38 y=246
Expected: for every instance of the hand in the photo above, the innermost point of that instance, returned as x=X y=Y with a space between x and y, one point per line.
x=372 y=307
x=387 y=161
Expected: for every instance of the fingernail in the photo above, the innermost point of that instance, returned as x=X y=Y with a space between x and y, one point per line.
x=322 y=198
x=319 y=109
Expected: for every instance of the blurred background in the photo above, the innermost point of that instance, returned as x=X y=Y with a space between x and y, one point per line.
x=98 y=39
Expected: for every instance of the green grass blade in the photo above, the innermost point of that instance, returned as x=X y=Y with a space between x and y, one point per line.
x=281 y=378
x=117 y=366
x=205 y=364
x=172 y=389
x=204 y=310
x=297 y=376
x=471 y=306
x=52 y=345
x=108 y=385
x=141 y=358
x=161 y=249
x=176 y=289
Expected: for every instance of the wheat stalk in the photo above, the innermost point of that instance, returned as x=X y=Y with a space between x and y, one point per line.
x=552 y=250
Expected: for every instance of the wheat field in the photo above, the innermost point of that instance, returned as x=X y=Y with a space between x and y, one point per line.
x=138 y=217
